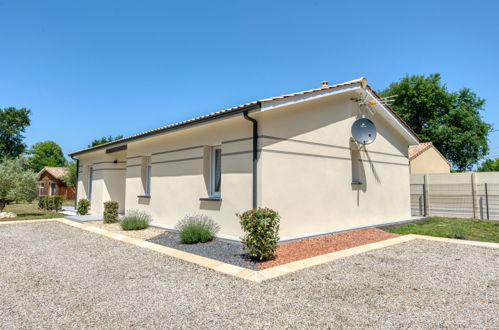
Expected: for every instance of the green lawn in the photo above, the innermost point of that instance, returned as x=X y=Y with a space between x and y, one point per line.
x=26 y=211
x=471 y=229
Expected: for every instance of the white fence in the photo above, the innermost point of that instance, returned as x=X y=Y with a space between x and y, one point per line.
x=464 y=195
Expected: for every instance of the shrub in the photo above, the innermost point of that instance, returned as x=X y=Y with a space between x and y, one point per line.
x=56 y=202
x=83 y=205
x=457 y=231
x=197 y=228
x=261 y=227
x=42 y=202
x=111 y=212
x=135 y=220
x=49 y=206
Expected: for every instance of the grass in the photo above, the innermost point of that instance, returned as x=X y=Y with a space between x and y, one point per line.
x=27 y=211
x=470 y=229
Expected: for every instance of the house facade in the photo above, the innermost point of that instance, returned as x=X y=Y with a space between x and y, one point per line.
x=424 y=158
x=293 y=153
x=50 y=183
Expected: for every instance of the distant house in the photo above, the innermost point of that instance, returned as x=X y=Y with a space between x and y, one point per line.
x=51 y=184
x=424 y=158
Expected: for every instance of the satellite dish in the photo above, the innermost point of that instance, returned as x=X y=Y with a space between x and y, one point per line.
x=364 y=131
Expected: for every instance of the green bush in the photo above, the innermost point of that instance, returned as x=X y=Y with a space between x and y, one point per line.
x=261 y=227
x=135 y=220
x=111 y=212
x=83 y=205
x=56 y=202
x=50 y=203
x=42 y=202
x=197 y=228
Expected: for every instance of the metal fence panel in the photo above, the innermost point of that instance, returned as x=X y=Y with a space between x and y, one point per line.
x=450 y=200
x=417 y=200
x=450 y=196
x=488 y=200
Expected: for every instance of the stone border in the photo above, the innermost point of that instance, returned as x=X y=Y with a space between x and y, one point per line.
x=249 y=274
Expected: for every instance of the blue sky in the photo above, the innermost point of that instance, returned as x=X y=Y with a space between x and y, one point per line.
x=92 y=68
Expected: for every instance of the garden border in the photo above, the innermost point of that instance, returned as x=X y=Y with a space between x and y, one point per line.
x=249 y=274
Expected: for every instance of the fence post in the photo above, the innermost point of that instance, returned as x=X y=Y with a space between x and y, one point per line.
x=487 y=201
x=473 y=194
x=426 y=196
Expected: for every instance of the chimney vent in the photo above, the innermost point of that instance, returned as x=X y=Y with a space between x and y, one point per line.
x=324 y=83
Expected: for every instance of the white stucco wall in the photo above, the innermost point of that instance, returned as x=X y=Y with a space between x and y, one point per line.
x=307 y=169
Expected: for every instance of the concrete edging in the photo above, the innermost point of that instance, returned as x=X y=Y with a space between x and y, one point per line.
x=249 y=274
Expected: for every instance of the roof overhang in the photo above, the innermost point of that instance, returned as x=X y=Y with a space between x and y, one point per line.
x=121 y=144
x=283 y=102
x=391 y=117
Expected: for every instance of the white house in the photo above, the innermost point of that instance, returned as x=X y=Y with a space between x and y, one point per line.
x=293 y=153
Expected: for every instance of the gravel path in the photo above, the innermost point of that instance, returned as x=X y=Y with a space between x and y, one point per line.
x=229 y=252
x=56 y=276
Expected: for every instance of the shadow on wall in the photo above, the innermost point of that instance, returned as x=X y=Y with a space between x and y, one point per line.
x=144 y=201
x=210 y=205
x=371 y=164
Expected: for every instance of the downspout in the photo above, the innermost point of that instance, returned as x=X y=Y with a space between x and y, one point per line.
x=76 y=184
x=255 y=155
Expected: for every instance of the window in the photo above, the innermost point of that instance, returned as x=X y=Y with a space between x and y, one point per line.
x=90 y=175
x=53 y=189
x=42 y=185
x=216 y=171
x=148 y=178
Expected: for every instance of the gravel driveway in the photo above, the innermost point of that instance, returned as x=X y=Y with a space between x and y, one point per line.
x=56 y=276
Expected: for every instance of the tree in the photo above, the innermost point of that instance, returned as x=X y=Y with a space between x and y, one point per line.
x=17 y=182
x=451 y=120
x=104 y=139
x=13 y=123
x=489 y=165
x=70 y=177
x=46 y=153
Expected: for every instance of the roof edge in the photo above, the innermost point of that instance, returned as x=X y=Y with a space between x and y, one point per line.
x=158 y=131
x=430 y=145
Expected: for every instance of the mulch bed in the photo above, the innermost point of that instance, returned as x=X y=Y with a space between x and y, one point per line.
x=234 y=253
x=312 y=247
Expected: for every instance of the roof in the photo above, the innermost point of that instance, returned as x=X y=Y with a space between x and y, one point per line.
x=418 y=149
x=237 y=109
x=56 y=172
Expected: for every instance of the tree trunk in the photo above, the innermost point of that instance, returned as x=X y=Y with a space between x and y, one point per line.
x=3 y=203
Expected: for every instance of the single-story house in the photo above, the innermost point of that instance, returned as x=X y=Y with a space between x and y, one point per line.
x=424 y=158
x=293 y=153
x=50 y=183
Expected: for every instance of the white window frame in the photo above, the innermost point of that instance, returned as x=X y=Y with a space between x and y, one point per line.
x=42 y=185
x=53 y=188
x=214 y=193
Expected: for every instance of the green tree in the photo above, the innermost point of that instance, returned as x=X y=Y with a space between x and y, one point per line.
x=104 y=139
x=13 y=123
x=489 y=165
x=451 y=120
x=17 y=182
x=70 y=177
x=46 y=153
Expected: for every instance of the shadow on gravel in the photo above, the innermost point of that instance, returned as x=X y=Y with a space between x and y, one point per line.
x=228 y=252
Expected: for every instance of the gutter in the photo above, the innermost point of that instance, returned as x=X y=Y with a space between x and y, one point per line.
x=76 y=183
x=255 y=155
